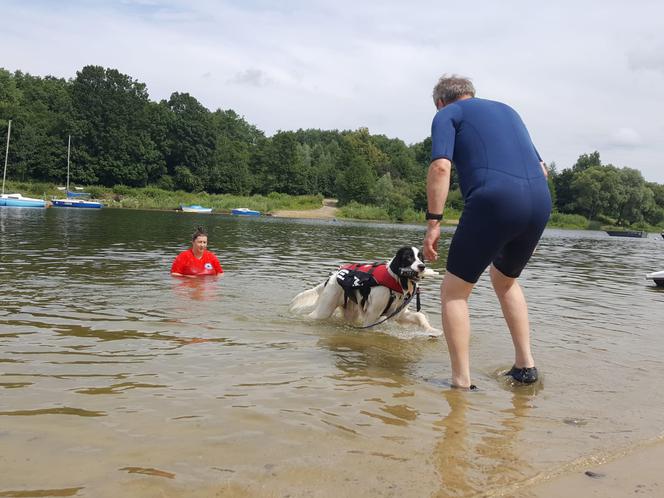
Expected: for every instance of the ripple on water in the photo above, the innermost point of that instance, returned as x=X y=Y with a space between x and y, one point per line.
x=196 y=378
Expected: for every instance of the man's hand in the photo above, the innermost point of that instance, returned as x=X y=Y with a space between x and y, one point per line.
x=430 y=244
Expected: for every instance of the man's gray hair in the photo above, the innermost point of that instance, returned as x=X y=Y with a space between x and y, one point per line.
x=451 y=87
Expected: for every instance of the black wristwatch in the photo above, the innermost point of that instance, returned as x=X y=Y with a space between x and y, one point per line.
x=432 y=216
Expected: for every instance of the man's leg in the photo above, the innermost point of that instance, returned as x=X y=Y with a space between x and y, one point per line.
x=515 y=311
x=454 y=293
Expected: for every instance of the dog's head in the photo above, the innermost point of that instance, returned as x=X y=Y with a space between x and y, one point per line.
x=407 y=264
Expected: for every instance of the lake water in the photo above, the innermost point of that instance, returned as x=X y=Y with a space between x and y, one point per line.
x=117 y=380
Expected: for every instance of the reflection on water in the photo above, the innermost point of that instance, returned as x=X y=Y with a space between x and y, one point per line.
x=119 y=380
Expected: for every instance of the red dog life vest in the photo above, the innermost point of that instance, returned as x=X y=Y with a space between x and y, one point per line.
x=379 y=273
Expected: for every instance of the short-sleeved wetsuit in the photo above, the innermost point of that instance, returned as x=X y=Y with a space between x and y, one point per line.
x=188 y=264
x=506 y=196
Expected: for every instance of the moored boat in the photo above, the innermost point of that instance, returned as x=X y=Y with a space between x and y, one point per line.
x=628 y=233
x=195 y=208
x=76 y=203
x=245 y=212
x=657 y=277
x=15 y=200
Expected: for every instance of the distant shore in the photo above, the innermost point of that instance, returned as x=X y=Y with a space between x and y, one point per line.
x=281 y=206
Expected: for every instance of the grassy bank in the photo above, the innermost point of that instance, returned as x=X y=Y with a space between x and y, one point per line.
x=122 y=196
x=358 y=211
x=576 y=221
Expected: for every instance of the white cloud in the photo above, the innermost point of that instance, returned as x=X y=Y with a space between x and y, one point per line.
x=584 y=76
x=625 y=137
x=251 y=77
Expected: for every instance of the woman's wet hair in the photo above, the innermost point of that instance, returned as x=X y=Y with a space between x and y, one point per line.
x=200 y=231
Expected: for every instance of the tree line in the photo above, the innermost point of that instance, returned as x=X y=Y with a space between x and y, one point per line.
x=120 y=136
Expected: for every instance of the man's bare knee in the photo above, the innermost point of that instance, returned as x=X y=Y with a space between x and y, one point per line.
x=501 y=282
x=454 y=288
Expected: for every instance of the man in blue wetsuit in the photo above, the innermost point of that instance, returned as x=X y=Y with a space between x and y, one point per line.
x=506 y=207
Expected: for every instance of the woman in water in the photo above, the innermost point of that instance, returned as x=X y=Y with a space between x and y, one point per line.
x=196 y=261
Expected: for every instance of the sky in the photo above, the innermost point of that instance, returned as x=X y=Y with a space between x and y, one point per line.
x=584 y=75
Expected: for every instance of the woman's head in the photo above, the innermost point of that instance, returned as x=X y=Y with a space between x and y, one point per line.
x=199 y=240
x=199 y=232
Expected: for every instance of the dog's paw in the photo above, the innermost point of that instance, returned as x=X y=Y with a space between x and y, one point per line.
x=434 y=332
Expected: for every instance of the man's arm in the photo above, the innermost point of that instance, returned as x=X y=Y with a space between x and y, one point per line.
x=438 y=186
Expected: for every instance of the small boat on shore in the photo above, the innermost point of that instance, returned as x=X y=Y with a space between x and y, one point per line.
x=74 y=199
x=76 y=203
x=639 y=234
x=195 y=208
x=657 y=277
x=15 y=200
x=245 y=212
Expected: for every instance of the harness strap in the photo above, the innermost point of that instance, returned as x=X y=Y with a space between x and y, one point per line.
x=407 y=300
x=389 y=302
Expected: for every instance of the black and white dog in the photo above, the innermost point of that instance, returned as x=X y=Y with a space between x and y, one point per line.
x=366 y=292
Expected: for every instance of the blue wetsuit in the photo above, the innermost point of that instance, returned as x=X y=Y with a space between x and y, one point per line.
x=507 y=200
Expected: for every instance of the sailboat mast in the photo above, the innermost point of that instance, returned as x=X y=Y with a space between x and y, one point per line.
x=4 y=173
x=68 y=151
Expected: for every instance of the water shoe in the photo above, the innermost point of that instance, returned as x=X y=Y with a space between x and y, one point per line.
x=524 y=375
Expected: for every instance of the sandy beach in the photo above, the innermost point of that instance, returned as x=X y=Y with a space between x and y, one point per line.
x=632 y=472
x=327 y=211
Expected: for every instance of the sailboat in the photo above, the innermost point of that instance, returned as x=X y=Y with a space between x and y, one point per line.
x=76 y=202
x=15 y=200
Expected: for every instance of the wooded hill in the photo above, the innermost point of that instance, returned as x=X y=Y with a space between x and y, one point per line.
x=120 y=136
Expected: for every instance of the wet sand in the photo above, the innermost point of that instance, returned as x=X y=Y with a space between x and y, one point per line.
x=637 y=472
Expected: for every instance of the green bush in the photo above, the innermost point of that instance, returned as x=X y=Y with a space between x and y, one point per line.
x=358 y=211
x=121 y=189
x=562 y=220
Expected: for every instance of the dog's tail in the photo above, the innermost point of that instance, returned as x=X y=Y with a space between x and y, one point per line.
x=305 y=301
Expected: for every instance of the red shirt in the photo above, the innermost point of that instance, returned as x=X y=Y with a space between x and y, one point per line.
x=188 y=264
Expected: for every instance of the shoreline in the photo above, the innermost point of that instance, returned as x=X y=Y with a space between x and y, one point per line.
x=331 y=213
x=634 y=470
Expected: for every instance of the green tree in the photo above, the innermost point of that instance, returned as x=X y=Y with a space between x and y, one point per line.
x=586 y=161
x=636 y=199
x=191 y=140
x=111 y=128
x=593 y=191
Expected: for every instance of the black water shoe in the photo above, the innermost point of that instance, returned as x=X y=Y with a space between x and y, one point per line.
x=524 y=375
x=472 y=387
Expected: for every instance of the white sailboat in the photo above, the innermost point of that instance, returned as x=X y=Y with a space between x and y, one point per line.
x=15 y=200
x=76 y=202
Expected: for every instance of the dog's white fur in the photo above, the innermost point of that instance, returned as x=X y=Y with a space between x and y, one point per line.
x=325 y=299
